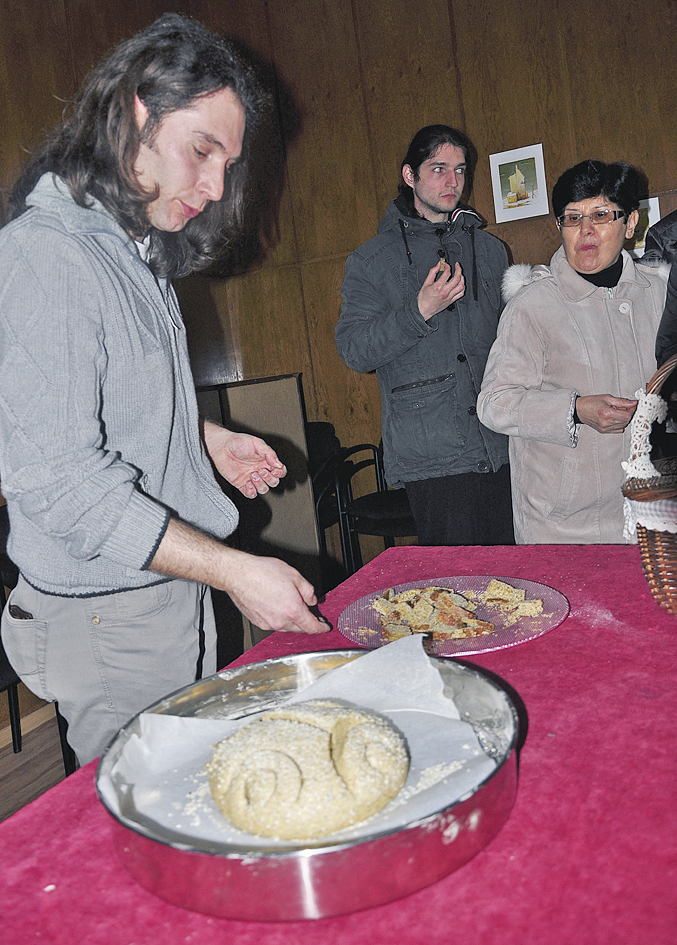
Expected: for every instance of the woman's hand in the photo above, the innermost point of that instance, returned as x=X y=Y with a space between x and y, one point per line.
x=605 y=413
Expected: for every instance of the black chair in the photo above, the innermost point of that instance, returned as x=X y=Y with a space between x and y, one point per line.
x=324 y=450
x=384 y=512
x=9 y=682
x=9 y=577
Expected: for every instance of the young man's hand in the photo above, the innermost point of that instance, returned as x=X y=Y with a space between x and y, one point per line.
x=441 y=289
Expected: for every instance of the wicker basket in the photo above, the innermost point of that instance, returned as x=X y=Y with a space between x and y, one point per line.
x=658 y=548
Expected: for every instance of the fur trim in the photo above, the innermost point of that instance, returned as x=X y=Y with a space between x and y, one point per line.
x=663 y=268
x=514 y=279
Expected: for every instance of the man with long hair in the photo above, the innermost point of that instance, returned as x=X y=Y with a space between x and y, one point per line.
x=421 y=302
x=116 y=518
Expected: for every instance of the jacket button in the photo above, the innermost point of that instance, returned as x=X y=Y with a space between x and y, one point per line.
x=483 y=465
x=624 y=308
x=461 y=357
x=96 y=621
x=472 y=411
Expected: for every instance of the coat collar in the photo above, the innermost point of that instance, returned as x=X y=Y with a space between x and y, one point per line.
x=398 y=209
x=52 y=194
x=576 y=288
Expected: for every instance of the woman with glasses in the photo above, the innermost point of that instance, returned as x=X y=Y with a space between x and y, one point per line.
x=574 y=344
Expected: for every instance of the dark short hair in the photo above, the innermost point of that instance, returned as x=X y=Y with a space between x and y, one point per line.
x=619 y=182
x=170 y=64
x=426 y=143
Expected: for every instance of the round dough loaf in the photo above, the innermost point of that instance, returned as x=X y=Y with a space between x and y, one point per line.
x=303 y=772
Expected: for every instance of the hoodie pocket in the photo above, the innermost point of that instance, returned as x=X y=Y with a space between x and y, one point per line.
x=425 y=423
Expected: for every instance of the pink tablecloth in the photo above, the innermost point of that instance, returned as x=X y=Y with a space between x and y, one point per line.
x=587 y=857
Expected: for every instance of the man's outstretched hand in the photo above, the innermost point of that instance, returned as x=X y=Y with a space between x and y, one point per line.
x=245 y=461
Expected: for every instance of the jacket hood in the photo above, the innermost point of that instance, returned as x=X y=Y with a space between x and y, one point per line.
x=400 y=217
x=519 y=276
x=399 y=209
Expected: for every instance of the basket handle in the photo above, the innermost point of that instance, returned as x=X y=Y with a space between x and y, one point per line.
x=654 y=385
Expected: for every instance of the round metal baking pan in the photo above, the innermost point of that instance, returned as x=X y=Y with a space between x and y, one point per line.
x=325 y=879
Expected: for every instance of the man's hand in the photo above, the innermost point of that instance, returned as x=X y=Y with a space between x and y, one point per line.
x=273 y=595
x=245 y=461
x=605 y=413
x=270 y=593
x=441 y=288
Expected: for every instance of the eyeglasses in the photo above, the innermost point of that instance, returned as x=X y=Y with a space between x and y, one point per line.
x=598 y=217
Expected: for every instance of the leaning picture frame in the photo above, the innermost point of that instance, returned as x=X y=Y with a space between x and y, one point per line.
x=649 y=213
x=518 y=183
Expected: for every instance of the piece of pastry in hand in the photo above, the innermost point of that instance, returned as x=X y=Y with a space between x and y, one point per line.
x=308 y=770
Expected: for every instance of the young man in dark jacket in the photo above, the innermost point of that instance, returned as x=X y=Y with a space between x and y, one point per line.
x=421 y=302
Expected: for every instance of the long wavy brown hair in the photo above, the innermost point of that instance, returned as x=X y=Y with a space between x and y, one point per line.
x=168 y=65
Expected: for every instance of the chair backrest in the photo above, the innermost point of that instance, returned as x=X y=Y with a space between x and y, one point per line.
x=382 y=511
x=9 y=575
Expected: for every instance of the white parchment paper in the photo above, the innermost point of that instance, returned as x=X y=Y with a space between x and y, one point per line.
x=159 y=780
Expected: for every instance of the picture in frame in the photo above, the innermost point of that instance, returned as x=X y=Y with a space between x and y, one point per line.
x=649 y=213
x=518 y=183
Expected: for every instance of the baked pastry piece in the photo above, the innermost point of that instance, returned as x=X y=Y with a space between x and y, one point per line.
x=511 y=601
x=305 y=771
x=436 y=610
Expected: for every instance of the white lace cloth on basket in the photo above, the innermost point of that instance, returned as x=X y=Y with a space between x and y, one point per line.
x=661 y=514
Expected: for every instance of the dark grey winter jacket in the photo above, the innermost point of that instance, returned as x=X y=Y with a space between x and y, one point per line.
x=429 y=372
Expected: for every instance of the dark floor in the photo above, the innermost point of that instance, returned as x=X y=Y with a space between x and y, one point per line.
x=36 y=768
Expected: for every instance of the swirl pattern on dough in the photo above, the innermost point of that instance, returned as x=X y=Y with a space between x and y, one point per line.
x=303 y=772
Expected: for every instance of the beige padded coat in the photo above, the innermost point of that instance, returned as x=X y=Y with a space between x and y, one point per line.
x=561 y=337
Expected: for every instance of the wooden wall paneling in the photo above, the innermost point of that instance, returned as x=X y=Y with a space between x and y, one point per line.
x=615 y=83
x=332 y=187
x=215 y=353
x=659 y=79
x=36 y=79
x=533 y=240
x=246 y=21
x=409 y=80
x=8 y=166
x=668 y=203
x=514 y=85
x=266 y=314
x=150 y=10
x=94 y=28
x=349 y=400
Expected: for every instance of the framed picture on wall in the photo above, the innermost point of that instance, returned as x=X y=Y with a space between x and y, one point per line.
x=649 y=213
x=518 y=183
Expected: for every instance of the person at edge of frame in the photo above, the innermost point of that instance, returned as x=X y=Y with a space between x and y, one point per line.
x=575 y=344
x=117 y=521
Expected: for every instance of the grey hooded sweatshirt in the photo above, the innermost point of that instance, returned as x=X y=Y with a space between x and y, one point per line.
x=99 y=431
